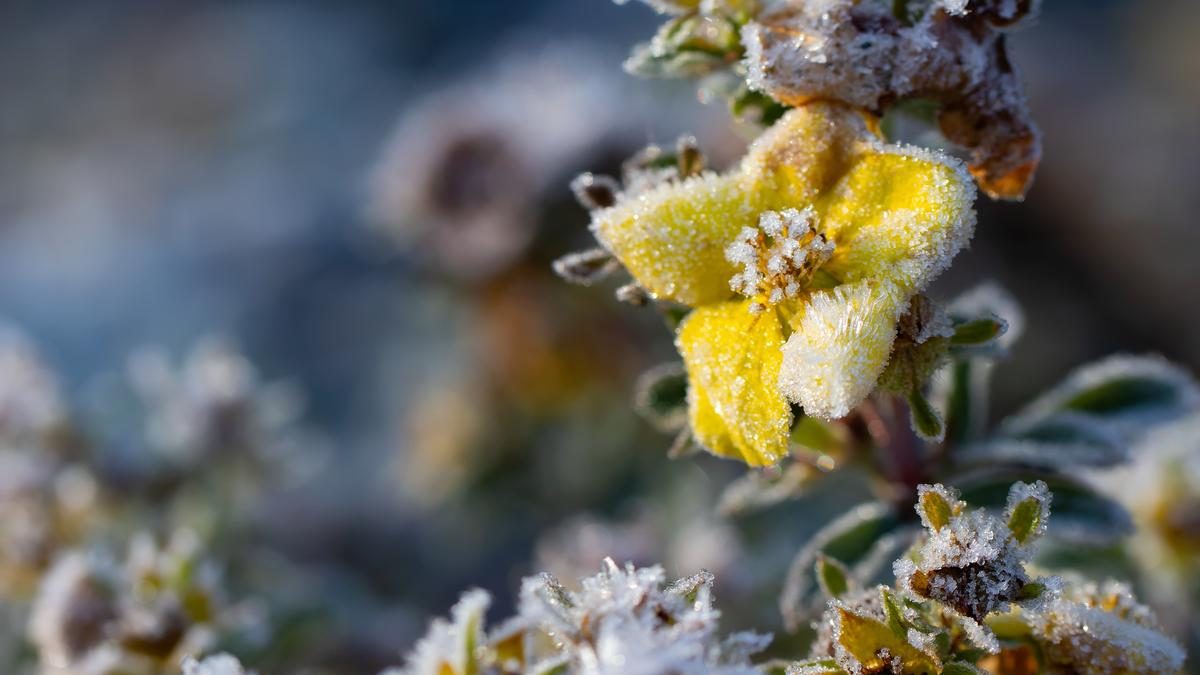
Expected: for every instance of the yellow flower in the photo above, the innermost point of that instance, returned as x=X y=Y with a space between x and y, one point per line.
x=826 y=233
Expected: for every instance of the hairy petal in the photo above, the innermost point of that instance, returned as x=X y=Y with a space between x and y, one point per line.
x=840 y=346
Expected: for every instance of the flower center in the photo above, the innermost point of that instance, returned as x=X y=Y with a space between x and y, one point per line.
x=778 y=258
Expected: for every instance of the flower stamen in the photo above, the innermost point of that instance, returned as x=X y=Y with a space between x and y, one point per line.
x=779 y=257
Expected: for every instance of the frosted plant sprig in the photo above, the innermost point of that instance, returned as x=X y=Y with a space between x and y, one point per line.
x=93 y=615
x=622 y=620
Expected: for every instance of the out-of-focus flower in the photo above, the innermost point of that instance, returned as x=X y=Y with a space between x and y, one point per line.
x=441 y=433
x=1161 y=489
x=47 y=506
x=92 y=617
x=952 y=52
x=211 y=407
x=827 y=233
x=31 y=406
x=461 y=177
x=622 y=620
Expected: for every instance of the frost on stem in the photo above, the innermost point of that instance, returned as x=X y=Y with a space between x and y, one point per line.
x=949 y=51
x=974 y=561
x=622 y=620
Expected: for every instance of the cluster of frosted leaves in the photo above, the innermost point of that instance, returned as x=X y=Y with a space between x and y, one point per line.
x=974 y=561
x=949 y=51
x=217 y=664
x=214 y=404
x=622 y=620
x=94 y=617
x=1096 y=628
x=882 y=630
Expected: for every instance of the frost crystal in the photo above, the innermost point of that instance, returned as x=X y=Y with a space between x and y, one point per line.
x=779 y=257
x=622 y=620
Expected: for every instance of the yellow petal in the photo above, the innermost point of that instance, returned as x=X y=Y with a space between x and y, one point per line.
x=842 y=341
x=898 y=215
x=734 y=405
x=672 y=238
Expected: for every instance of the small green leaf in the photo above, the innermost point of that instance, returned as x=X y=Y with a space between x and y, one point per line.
x=811 y=667
x=936 y=510
x=660 y=396
x=833 y=576
x=960 y=668
x=895 y=620
x=925 y=420
x=977 y=332
x=1032 y=590
x=814 y=434
x=1025 y=519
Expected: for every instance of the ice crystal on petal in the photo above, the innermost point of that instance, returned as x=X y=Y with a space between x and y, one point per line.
x=834 y=358
x=450 y=646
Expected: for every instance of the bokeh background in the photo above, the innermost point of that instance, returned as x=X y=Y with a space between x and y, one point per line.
x=365 y=197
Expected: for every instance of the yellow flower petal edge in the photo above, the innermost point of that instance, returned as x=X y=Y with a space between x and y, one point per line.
x=840 y=346
x=899 y=214
x=672 y=238
x=734 y=403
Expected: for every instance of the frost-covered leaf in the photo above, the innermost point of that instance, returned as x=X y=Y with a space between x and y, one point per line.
x=874 y=645
x=660 y=396
x=936 y=505
x=762 y=488
x=849 y=539
x=1081 y=514
x=1027 y=511
x=594 y=191
x=1061 y=441
x=960 y=668
x=815 y=667
x=833 y=576
x=1124 y=392
x=586 y=267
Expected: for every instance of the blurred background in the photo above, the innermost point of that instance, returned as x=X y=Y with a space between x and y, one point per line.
x=364 y=198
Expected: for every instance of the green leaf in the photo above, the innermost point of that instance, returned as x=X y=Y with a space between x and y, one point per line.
x=895 y=620
x=935 y=508
x=833 y=576
x=1080 y=514
x=848 y=539
x=660 y=396
x=1025 y=519
x=865 y=639
x=814 y=434
x=960 y=668
x=924 y=419
x=976 y=332
x=762 y=488
x=1126 y=391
